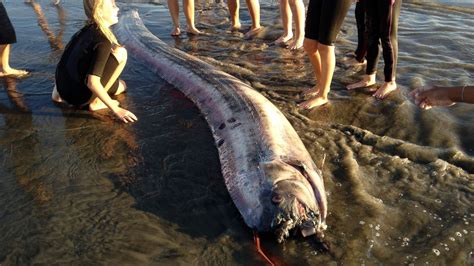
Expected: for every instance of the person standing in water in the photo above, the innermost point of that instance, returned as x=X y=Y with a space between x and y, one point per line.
x=382 y=24
x=289 y=9
x=323 y=22
x=188 y=6
x=254 y=10
x=362 y=36
x=7 y=37
x=88 y=73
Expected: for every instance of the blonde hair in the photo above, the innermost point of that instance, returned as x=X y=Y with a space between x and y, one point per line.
x=93 y=10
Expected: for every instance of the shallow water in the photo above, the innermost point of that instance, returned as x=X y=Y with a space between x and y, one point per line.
x=85 y=189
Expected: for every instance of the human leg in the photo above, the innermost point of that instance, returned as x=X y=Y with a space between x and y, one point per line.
x=110 y=81
x=254 y=10
x=310 y=43
x=188 y=6
x=328 y=63
x=373 y=49
x=115 y=66
x=173 y=7
x=388 y=36
x=234 y=6
x=55 y=95
x=331 y=17
x=311 y=48
x=7 y=37
x=5 y=68
x=297 y=8
x=285 y=13
x=362 y=35
x=366 y=81
x=389 y=29
x=372 y=25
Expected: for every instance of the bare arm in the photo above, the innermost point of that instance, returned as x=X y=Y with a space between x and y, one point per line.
x=94 y=84
x=429 y=96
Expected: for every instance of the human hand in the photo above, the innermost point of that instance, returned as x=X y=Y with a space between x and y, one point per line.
x=428 y=96
x=125 y=115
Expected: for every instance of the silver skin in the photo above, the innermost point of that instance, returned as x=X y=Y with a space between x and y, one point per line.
x=268 y=172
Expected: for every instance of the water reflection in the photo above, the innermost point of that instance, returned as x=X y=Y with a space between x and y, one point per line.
x=24 y=148
x=55 y=40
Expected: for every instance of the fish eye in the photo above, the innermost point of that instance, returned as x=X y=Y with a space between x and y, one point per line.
x=277 y=198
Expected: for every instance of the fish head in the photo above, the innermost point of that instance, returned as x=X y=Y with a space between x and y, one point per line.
x=295 y=200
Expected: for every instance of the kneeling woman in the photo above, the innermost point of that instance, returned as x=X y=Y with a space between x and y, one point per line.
x=89 y=69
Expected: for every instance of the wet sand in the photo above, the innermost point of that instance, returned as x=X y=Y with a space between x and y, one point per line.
x=82 y=188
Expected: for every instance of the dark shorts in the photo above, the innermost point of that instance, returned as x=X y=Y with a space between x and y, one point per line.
x=80 y=94
x=324 y=19
x=7 y=33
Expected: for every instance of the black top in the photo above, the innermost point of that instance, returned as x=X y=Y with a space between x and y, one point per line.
x=7 y=33
x=86 y=54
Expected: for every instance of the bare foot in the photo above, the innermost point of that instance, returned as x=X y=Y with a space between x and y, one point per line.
x=313 y=102
x=97 y=104
x=253 y=32
x=11 y=72
x=121 y=88
x=176 y=32
x=385 y=89
x=235 y=27
x=55 y=96
x=311 y=91
x=353 y=62
x=295 y=44
x=193 y=30
x=367 y=81
x=283 y=39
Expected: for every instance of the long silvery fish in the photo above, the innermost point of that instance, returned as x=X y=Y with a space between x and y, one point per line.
x=267 y=170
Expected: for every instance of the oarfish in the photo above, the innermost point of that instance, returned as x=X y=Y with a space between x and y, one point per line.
x=268 y=172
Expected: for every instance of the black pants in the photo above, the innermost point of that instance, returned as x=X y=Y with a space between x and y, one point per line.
x=362 y=34
x=382 y=25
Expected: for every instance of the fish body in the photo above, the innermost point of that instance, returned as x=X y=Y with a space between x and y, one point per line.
x=268 y=172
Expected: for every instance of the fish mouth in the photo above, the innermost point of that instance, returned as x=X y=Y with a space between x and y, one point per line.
x=295 y=215
x=299 y=202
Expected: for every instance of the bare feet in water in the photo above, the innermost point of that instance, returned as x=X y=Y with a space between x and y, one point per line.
x=11 y=72
x=385 y=89
x=367 y=81
x=189 y=30
x=317 y=100
x=176 y=32
x=253 y=32
x=353 y=62
x=310 y=92
x=235 y=27
x=295 y=44
x=193 y=30
x=55 y=96
x=283 y=39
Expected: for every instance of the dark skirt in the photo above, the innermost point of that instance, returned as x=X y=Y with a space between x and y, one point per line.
x=7 y=33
